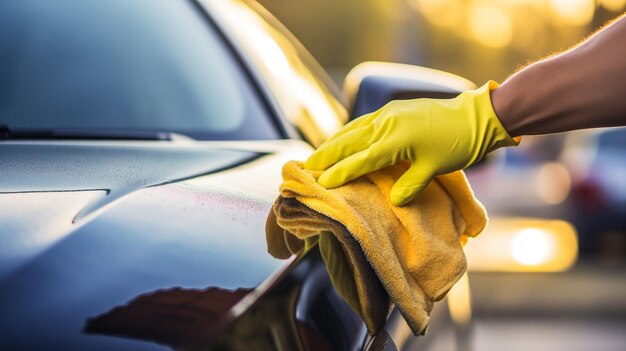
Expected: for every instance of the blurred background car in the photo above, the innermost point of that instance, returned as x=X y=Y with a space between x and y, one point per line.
x=528 y=180
x=596 y=160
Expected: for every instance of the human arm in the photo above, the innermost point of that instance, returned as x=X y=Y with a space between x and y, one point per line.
x=581 y=88
x=584 y=87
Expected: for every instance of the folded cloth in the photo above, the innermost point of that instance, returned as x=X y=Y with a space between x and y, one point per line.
x=414 y=251
x=351 y=274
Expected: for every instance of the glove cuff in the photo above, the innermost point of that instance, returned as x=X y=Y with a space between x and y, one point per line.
x=496 y=135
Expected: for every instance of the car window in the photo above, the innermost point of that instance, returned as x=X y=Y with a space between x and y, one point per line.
x=140 y=64
x=306 y=97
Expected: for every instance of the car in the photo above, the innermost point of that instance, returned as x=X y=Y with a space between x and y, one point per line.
x=140 y=151
x=595 y=158
x=141 y=144
x=530 y=173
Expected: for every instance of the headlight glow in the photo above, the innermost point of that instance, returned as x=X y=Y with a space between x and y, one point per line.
x=519 y=244
x=532 y=246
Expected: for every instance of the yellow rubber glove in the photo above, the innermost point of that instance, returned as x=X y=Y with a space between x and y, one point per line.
x=437 y=136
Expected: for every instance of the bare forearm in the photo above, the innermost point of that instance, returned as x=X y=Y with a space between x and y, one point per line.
x=582 y=88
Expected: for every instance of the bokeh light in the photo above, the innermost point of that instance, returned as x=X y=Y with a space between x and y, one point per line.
x=490 y=26
x=476 y=39
x=532 y=246
x=553 y=183
x=574 y=12
x=445 y=13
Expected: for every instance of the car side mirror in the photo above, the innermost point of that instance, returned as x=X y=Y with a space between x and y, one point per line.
x=370 y=85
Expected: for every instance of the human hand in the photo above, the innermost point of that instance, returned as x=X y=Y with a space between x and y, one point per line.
x=437 y=136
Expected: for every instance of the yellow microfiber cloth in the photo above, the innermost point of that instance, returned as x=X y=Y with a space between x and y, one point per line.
x=415 y=250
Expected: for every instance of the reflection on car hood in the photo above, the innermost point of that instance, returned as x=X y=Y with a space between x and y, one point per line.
x=86 y=226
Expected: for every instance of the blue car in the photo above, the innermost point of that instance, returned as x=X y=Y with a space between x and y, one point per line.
x=141 y=144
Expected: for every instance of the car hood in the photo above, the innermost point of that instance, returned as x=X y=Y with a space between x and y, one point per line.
x=87 y=226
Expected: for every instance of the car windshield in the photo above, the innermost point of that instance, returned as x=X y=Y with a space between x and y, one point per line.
x=152 y=65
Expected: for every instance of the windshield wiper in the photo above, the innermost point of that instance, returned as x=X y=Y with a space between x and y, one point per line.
x=86 y=134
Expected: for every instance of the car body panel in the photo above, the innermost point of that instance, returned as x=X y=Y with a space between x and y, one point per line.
x=205 y=230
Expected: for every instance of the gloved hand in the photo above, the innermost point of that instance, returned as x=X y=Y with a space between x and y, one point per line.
x=437 y=136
